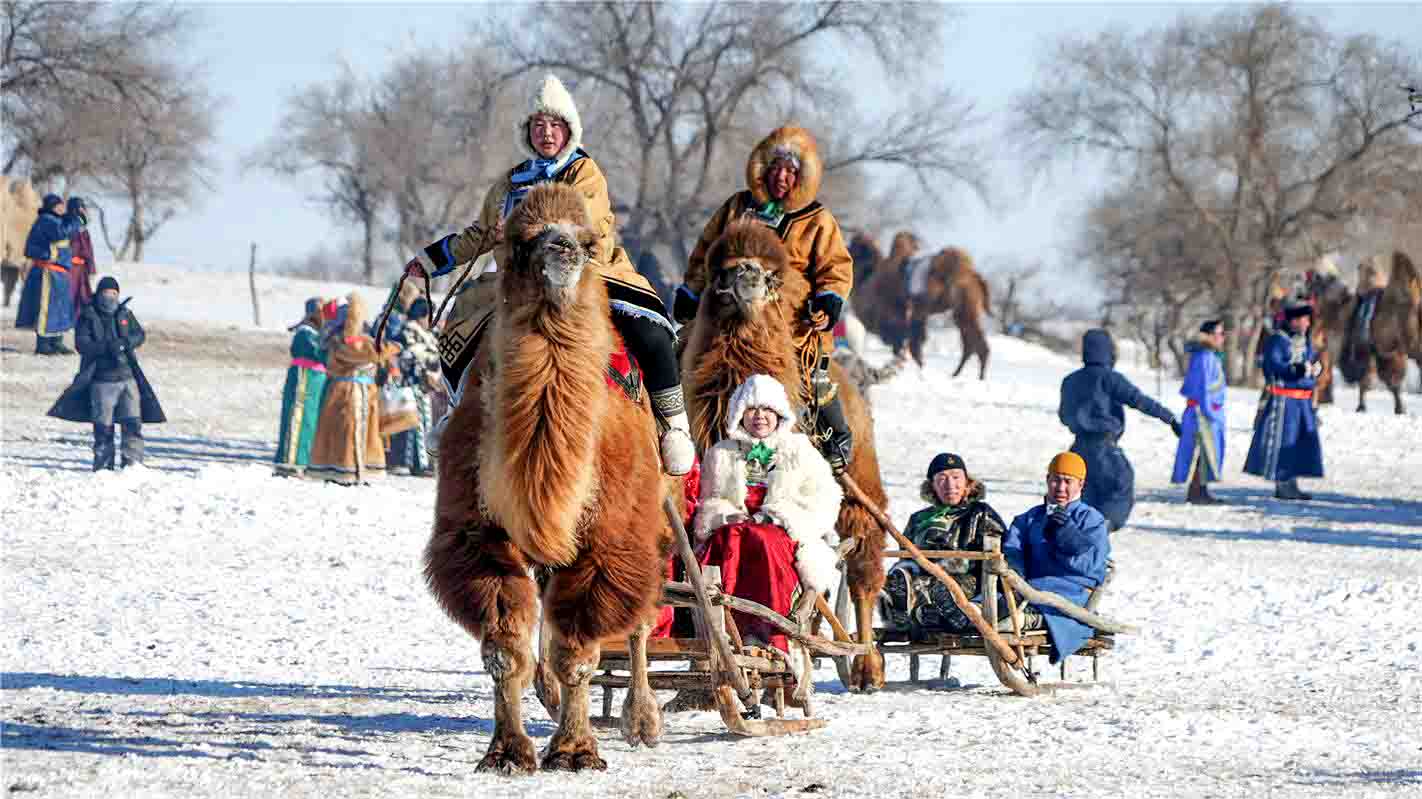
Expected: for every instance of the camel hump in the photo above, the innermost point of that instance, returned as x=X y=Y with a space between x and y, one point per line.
x=1405 y=278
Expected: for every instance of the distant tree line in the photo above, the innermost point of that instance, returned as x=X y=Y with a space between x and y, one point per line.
x=93 y=98
x=1243 y=145
x=672 y=98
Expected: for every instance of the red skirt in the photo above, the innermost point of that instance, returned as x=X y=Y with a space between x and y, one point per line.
x=757 y=562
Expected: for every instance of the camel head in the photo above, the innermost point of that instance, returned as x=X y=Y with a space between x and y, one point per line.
x=553 y=246
x=747 y=270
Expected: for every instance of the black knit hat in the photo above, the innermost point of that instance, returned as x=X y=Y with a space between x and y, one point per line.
x=944 y=461
x=107 y=282
x=1296 y=309
x=1209 y=327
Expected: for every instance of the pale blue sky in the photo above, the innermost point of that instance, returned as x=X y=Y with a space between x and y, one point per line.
x=258 y=53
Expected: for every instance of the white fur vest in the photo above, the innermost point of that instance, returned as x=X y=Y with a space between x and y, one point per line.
x=801 y=495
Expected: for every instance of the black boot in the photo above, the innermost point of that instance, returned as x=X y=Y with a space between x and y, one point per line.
x=103 y=446
x=1199 y=493
x=1289 y=489
x=57 y=346
x=831 y=433
x=43 y=345
x=131 y=442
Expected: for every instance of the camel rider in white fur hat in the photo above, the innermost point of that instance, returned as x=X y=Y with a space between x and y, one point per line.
x=552 y=136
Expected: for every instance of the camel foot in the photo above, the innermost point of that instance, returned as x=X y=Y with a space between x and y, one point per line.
x=573 y=754
x=509 y=754
x=866 y=673
x=688 y=699
x=641 y=721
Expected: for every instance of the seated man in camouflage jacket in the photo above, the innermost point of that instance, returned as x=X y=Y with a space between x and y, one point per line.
x=957 y=518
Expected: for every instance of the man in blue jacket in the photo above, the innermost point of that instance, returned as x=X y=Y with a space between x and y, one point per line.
x=1060 y=546
x=1092 y=406
x=46 y=303
x=1286 y=445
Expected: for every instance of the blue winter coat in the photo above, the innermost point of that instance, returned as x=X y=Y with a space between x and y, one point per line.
x=1093 y=407
x=1285 y=443
x=1202 y=434
x=1070 y=563
x=46 y=303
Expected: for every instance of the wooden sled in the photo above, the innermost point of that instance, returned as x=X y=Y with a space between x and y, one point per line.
x=1007 y=647
x=718 y=660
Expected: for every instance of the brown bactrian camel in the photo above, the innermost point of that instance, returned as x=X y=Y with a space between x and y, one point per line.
x=945 y=282
x=1382 y=328
x=745 y=329
x=882 y=302
x=19 y=203
x=544 y=465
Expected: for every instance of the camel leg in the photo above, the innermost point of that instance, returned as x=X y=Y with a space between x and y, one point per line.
x=573 y=747
x=481 y=580
x=545 y=685
x=866 y=673
x=1364 y=383
x=641 y=717
x=982 y=363
x=963 y=361
x=509 y=660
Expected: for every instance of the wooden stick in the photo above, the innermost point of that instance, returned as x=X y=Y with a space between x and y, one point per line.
x=724 y=659
x=788 y=627
x=1066 y=606
x=840 y=634
x=960 y=599
x=961 y=554
x=1016 y=621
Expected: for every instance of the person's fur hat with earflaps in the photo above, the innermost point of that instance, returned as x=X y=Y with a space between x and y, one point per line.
x=796 y=145
x=553 y=98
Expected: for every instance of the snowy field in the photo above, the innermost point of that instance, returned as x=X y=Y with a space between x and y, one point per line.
x=199 y=628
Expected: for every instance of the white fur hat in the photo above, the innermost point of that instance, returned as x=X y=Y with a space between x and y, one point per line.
x=553 y=98
x=759 y=391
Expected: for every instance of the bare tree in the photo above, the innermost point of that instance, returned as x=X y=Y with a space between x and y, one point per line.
x=327 y=131
x=680 y=93
x=1268 y=130
x=56 y=56
x=155 y=158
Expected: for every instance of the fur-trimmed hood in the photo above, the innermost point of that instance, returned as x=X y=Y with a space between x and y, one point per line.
x=553 y=98
x=759 y=391
x=795 y=141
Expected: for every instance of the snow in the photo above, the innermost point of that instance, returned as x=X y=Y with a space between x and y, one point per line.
x=200 y=628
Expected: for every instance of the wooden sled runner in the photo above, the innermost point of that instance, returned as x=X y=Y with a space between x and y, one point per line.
x=1007 y=647
x=718 y=660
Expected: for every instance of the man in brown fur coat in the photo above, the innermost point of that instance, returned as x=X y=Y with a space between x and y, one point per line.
x=783 y=176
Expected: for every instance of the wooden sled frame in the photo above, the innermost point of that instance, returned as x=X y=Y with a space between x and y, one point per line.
x=1010 y=652
x=719 y=661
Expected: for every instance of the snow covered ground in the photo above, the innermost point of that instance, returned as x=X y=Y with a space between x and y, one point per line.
x=199 y=628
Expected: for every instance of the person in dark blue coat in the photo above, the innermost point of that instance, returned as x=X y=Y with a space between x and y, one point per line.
x=46 y=302
x=1093 y=407
x=1285 y=445
x=1060 y=546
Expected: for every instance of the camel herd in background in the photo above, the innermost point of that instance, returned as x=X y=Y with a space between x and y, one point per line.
x=898 y=293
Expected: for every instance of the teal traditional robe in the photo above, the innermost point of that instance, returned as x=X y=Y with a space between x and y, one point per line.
x=301 y=400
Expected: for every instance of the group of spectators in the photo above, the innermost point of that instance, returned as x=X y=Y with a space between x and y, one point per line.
x=109 y=391
x=353 y=408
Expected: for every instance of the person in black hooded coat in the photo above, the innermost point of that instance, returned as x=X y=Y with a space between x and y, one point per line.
x=110 y=386
x=1093 y=401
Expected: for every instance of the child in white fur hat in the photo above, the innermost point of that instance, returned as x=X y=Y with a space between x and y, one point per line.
x=768 y=507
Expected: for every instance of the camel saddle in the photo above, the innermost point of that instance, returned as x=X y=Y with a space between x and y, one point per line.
x=472 y=312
